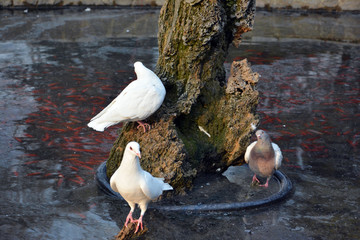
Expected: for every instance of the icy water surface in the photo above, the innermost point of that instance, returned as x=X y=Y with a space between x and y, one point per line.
x=58 y=69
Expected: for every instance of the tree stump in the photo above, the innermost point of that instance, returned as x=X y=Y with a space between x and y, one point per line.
x=205 y=121
x=129 y=232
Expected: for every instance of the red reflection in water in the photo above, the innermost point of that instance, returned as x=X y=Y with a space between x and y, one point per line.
x=60 y=123
x=309 y=103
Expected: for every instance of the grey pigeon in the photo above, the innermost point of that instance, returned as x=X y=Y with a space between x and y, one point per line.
x=263 y=157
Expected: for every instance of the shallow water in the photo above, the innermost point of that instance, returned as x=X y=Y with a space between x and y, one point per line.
x=58 y=69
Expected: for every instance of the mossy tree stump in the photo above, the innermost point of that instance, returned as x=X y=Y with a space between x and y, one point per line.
x=205 y=121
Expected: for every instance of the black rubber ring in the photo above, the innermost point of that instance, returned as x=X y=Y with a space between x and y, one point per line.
x=285 y=189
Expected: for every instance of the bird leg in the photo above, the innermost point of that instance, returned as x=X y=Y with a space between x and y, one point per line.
x=255 y=179
x=140 y=223
x=129 y=218
x=143 y=125
x=266 y=184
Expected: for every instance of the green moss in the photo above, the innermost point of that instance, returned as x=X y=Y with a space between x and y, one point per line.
x=193 y=42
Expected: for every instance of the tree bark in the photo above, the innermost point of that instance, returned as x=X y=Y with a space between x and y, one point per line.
x=128 y=232
x=205 y=121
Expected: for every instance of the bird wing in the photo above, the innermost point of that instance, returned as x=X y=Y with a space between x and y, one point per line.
x=152 y=187
x=105 y=109
x=126 y=104
x=131 y=87
x=248 y=150
x=278 y=155
x=113 y=185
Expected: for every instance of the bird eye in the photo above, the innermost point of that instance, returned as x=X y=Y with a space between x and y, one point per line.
x=131 y=148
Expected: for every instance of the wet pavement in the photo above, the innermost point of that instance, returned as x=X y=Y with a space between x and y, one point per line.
x=59 y=68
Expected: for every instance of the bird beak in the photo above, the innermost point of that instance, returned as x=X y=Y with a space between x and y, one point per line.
x=138 y=154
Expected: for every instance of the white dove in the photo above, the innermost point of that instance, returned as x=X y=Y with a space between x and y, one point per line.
x=134 y=184
x=263 y=157
x=140 y=99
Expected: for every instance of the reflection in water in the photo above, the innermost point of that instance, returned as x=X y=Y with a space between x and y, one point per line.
x=310 y=104
x=49 y=97
x=51 y=88
x=299 y=153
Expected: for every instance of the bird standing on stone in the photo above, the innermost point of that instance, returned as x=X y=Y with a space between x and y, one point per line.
x=263 y=157
x=140 y=99
x=134 y=184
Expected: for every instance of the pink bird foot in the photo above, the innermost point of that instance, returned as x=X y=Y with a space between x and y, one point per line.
x=140 y=223
x=129 y=218
x=266 y=184
x=143 y=125
x=255 y=179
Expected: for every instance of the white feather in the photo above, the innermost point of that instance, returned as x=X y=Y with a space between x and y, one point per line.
x=248 y=150
x=278 y=155
x=134 y=184
x=204 y=131
x=140 y=99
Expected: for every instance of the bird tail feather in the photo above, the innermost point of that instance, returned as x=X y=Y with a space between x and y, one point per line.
x=99 y=126
x=167 y=186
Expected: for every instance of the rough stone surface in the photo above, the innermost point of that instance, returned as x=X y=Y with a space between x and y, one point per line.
x=241 y=78
x=129 y=232
x=162 y=153
x=199 y=126
x=238 y=110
